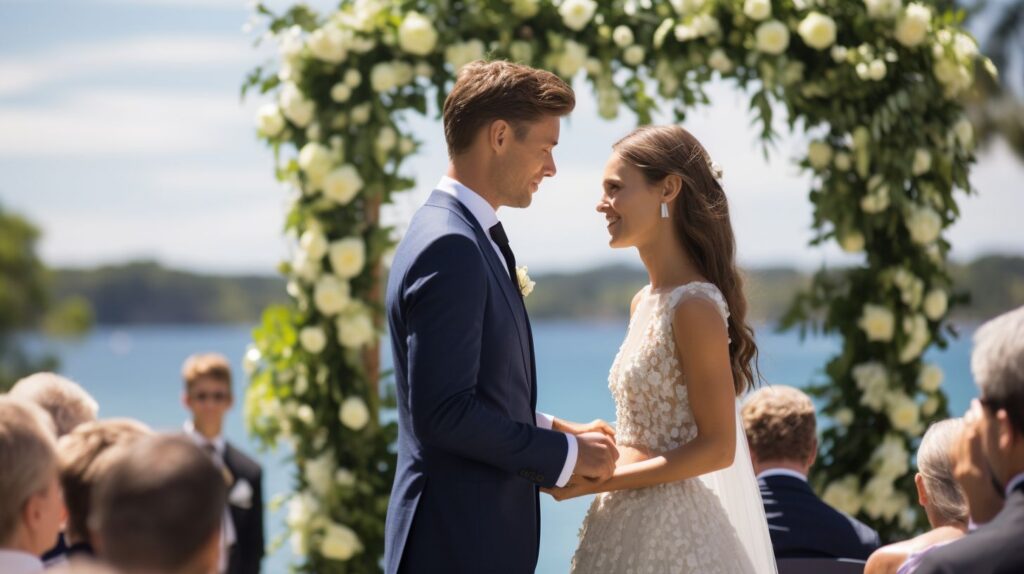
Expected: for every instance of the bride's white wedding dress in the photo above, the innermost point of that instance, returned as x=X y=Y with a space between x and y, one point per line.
x=711 y=524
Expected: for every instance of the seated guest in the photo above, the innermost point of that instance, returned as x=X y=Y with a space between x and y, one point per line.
x=208 y=397
x=84 y=455
x=780 y=427
x=31 y=508
x=69 y=406
x=940 y=495
x=988 y=460
x=158 y=508
x=67 y=403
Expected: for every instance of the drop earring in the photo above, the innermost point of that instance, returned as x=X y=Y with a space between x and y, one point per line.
x=664 y=211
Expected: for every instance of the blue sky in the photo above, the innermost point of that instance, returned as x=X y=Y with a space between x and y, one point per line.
x=123 y=137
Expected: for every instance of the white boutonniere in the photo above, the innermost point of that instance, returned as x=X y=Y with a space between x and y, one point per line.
x=526 y=284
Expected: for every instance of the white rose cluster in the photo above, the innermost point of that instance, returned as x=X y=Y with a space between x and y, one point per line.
x=319 y=473
x=918 y=337
x=462 y=53
x=936 y=302
x=417 y=35
x=576 y=14
x=844 y=494
x=772 y=37
x=913 y=25
x=817 y=30
x=354 y=414
x=923 y=223
x=910 y=286
x=340 y=542
x=890 y=458
x=852 y=242
x=877 y=322
x=295 y=105
x=819 y=154
x=331 y=295
x=757 y=9
x=876 y=200
x=355 y=328
x=873 y=381
x=347 y=257
x=386 y=76
x=954 y=56
x=698 y=26
x=930 y=378
x=571 y=59
x=922 y=163
x=342 y=184
x=883 y=9
x=903 y=413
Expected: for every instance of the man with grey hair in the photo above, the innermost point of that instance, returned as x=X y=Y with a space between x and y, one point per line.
x=68 y=404
x=989 y=457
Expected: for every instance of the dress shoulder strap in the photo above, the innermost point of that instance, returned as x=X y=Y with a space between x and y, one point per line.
x=700 y=290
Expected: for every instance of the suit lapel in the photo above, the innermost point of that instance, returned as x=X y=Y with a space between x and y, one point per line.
x=500 y=271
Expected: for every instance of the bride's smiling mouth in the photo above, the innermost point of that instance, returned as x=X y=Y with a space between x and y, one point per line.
x=612 y=220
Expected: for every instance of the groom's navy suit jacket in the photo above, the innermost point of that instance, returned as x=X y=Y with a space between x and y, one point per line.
x=470 y=456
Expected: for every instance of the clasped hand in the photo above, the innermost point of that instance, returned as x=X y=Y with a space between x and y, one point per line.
x=595 y=460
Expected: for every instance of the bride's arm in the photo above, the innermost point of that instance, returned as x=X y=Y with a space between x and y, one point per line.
x=702 y=345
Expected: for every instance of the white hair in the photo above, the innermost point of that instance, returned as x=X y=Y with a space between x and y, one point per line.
x=68 y=404
x=997 y=361
x=945 y=497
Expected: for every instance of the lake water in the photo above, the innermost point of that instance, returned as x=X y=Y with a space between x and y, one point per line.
x=134 y=372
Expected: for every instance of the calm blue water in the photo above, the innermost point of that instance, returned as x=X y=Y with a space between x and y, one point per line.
x=135 y=373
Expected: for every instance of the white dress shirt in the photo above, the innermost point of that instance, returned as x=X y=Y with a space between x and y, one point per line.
x=487 y=217
x=18 y=562
x=781 y=472
x=227 y=531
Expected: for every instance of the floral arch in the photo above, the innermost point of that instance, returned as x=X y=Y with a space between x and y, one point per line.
x=878 y=81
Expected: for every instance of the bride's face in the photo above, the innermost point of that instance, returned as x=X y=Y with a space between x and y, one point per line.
x=631 y=206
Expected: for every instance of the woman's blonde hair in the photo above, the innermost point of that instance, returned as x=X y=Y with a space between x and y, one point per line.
x=945 y=497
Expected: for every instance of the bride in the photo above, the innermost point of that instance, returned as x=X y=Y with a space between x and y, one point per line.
x=683 y=498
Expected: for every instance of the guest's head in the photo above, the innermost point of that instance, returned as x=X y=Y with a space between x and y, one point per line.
x=208 y=394
x=31 y=507
x=937 y=491
x=997 y=363
x=501 y=124
x=67 y=403
x=780 y=426
x=159 y=507
x=84 y=456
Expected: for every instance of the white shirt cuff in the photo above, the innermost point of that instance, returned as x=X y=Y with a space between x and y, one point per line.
x=570 y=461
x=545 y=421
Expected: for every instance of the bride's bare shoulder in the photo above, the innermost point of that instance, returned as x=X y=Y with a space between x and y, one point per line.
x=636 y=300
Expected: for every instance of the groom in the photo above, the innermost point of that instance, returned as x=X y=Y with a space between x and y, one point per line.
x=472 y=451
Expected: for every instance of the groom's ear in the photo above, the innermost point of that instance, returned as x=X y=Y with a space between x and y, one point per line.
x=671 y=186
x=498 y=135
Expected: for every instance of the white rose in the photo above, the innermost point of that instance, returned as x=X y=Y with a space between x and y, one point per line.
x=269 y=120
x=877 y=70
x=387 y=139
x=913 y=26
x=344 y=477
x=342 y=184
x=623 y=36
x=313 y=243
x=572 y=58
x=521 y=52
x=964 y=132
x=873 y=381
x=890 y=459
x=877 y=322
x=922 y=161
x=348 y=257
x=883 y=8
x=930 y=406
x=417 y=35
x=903 y=412
x=328 y=44
x=355 y=329
x=341 y=93
x=313 y=339
x=843 y=417
x=772 y=37
x=924 y=224
x=719 y=61
x=340 y=542
x=331 y=295
x=315 y=161
x=877 y=493
x=352 y=78
x=319 y=473
x=383 y=77
x=361 y=114
x=935 y=304
x=525 y=8
x=930 y=378
x=526 y=284
x=757 y=9
x=299 y=542
x=458 y=55
x=354 y=414
x=917 y=328
x=817 y=30
x=838 y=54
x=295 y=106
x=843 y=161
x=305 y=268
x=633 y=55
x=819 y=154
x=843 y=494
x=301 y=508
x=852 y=242
x=577 y=13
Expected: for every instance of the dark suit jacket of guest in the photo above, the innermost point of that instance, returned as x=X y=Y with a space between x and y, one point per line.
x=803 y=526
x=247 y=552
x=470 y=456
x=995 y=548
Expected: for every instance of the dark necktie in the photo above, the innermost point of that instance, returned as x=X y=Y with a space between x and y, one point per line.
x=229 y=478
x=499 y=237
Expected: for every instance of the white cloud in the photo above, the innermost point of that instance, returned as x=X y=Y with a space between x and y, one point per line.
x=26 y=73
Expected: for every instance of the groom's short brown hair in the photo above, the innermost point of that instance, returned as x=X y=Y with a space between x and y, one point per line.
x=499 y=90
x=780 y=424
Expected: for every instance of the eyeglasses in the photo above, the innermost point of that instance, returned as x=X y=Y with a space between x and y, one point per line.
x=216 y=396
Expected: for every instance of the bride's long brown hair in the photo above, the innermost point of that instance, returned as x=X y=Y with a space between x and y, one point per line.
x=701 y=216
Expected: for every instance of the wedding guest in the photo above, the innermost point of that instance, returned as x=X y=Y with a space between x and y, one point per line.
x=68 y=404
x=940 y=495
x=208 y=397
x=988 y=460
x=31 y=508
x=84 y=455
x=158 y=508
x=780 y=426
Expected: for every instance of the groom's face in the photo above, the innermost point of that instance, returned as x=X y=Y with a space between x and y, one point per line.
x=523 y=161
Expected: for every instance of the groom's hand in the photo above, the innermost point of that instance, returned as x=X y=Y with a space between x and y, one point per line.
x=596 y=456
x=577 y=429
